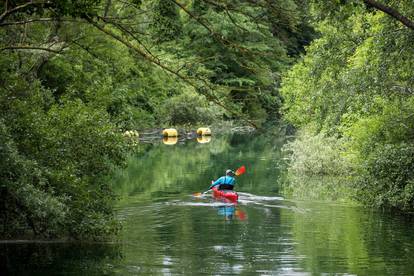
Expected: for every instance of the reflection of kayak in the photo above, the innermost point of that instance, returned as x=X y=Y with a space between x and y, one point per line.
x=226 y=194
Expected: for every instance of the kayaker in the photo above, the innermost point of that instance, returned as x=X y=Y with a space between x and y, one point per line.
x=225 y=182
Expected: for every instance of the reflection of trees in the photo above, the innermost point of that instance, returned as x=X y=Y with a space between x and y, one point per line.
x=57 y=258
x=190 y=237
x=352 y=240
x=327 y=188
x=331 y=239
x=198 y=240
x=186 y=168
x=171 y=169
x=219 y=146
x=261 y=154
x=335 y=234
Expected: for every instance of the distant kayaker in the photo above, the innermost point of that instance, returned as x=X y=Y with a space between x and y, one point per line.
x=225 y=182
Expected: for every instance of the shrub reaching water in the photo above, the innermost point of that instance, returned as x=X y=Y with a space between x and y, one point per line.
x=316 y=155
x=317 y=168
x=388 y=177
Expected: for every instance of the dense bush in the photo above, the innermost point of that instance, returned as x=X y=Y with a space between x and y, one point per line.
x=317 y=168
x=54 y=169
x=388 y=178
x=316 y=155
x=188 y=109
x=25 y=203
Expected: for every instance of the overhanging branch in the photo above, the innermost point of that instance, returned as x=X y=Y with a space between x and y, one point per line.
x=216 y=35
x=157 y=62
x=30 y=48
x=41 y=20
x=391 y=12
x=8 y=12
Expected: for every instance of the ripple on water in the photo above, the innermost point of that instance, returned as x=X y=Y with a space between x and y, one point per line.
x=244 y=199
x=189 y=203
x=261 y=198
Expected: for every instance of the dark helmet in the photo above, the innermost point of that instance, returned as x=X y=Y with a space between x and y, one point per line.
x=229 y=172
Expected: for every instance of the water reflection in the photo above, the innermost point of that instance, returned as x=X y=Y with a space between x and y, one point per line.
x=203 y=139
x=226 y=211
x=53 y=258
x=170 y=140
x=275 y=236
x=231 y=212
x=188 y=168
x=278 y=237
x=167 y=231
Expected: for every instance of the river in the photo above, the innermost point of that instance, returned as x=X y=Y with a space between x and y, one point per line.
x=168 y=231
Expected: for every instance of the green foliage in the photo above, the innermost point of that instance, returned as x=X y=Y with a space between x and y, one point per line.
x=23 y=203
x=166 y=24
x=246 y=65
x=391 y=122
x=382 y=143
x=317 y=168
x=75 y=8
x=388 y=178
x=188 y=108
x=355 y=85
x=57 y=159
x=226 y=52
x=80 y=159
x=75 y=74
x=316 y=155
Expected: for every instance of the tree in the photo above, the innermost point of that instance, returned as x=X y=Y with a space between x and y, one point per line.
x=355 y=84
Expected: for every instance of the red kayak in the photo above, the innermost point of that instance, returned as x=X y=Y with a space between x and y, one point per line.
x=225 y=194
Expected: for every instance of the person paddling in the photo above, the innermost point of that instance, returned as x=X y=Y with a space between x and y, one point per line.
x=226 y=182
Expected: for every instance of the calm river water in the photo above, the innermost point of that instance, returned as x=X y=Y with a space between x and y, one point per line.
x=168 y=231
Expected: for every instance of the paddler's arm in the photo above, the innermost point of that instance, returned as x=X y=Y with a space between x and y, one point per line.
x=217 y=182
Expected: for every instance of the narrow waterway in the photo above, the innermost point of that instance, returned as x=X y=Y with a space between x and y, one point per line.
x=167 y=230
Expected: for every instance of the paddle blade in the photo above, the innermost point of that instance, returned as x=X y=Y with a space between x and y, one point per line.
x=240 y=170
x=197 y=194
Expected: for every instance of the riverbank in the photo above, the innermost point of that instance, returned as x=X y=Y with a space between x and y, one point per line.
x=330 y=168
